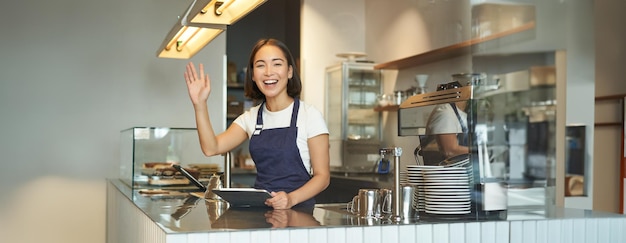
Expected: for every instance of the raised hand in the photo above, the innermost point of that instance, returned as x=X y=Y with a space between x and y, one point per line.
x=199 y=86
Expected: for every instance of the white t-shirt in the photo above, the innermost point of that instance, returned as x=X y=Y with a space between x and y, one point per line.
x=443 y=120
x=310 y=123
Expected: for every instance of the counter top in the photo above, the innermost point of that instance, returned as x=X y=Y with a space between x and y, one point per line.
x=189 y=213
x=184 y=218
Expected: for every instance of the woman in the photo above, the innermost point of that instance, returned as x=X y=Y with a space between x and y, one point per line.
x=288 y=138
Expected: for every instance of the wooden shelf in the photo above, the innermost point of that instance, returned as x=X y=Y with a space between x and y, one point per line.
x=608 y=124
x=234 y=85
x=451 y=51
x=387 y=108
x=610 y=98
x=617 y=97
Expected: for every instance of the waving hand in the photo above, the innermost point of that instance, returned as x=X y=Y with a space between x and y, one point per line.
x=199 y=86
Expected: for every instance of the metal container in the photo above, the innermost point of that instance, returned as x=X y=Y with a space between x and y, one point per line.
x=408 y=202
x=399 y=97
x=470 y=79
x=366 y=204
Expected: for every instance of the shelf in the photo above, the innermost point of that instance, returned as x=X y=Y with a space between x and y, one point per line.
x=617 y=97
x=451 y=51
x=387 y=108
x=234 y=86
x=607 y=124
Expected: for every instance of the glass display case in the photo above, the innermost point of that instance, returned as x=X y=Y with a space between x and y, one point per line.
x=355 y=128
x=148 y=153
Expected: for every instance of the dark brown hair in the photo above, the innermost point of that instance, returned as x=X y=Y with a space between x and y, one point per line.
x=294 y=86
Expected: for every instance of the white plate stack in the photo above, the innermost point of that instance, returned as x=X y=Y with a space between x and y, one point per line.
x=446 y=190
x=415 y=176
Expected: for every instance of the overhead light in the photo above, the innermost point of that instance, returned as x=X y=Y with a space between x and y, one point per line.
x=185 y=40
x=202 y=22
x=223 y=11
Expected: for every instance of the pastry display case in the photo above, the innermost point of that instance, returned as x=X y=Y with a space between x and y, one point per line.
x=148 y=153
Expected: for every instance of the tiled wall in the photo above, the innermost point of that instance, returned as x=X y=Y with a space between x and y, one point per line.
x=126 y=223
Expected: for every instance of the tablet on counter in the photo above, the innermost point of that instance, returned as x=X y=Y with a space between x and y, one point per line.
x=243 y=197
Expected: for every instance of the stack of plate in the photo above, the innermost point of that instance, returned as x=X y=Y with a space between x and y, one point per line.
x=446 y=190
x=459 y=161
x=415 y=177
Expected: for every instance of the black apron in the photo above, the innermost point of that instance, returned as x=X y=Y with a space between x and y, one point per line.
x=277 y=157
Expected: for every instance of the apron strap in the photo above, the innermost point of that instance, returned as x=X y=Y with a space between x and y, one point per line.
x=259 y=120
x=458 y=116
x=259 y=117
x=294 y=112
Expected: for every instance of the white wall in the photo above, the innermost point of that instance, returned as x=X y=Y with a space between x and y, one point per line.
x=327 y=28
x=73 y=74
x=580 y=87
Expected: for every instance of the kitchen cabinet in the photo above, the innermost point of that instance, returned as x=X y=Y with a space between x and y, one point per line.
x=355 y=128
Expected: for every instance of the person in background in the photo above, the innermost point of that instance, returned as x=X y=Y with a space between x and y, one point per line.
x=288 y=138
x=447 y=128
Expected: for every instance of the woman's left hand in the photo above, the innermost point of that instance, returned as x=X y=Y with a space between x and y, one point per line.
x=279 y=200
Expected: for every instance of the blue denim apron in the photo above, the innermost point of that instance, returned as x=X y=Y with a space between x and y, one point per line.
x=277 y=158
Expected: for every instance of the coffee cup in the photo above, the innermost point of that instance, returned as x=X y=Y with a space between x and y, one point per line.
x=386 y=196
x=408 y=202
x=353 y=205
x=366 y=204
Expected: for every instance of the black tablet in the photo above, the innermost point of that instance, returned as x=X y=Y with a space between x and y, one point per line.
x=243 y=197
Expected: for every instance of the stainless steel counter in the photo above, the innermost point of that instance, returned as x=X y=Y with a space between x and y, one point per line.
x=181 y=217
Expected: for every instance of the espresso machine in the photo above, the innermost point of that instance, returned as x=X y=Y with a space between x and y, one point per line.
x=416 y=117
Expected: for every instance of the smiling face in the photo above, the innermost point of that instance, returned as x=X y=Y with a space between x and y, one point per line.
x=271 y=71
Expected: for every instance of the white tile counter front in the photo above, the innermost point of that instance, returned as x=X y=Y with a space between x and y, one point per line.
x=136 y=219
